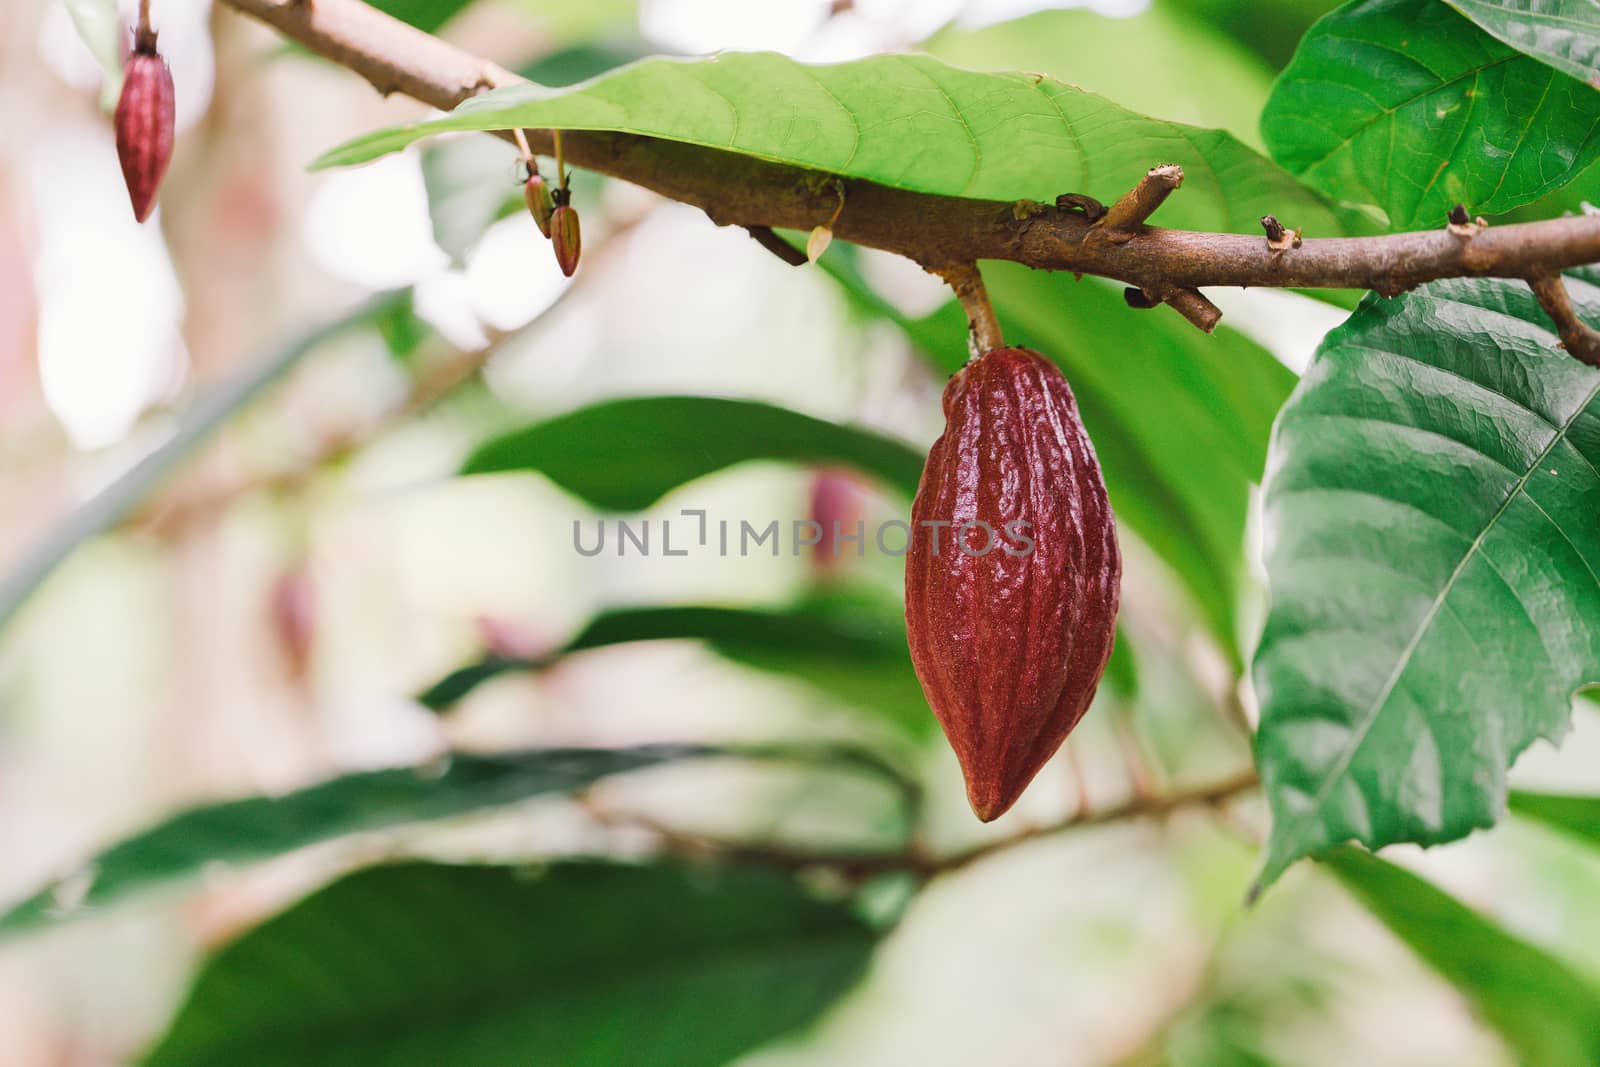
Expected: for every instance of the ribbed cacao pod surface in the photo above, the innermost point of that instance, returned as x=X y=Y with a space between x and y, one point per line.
x=1013 y=575
x=145 y=122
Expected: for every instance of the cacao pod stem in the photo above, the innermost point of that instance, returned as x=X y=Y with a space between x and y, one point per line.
x=145 y=123
x=1011 y=614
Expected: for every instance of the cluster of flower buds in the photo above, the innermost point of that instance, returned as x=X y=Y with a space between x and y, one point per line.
x=555 y=216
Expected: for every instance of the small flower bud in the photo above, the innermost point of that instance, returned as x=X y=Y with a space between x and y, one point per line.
x=565 y=236
x=145 y=123
x=540 y=204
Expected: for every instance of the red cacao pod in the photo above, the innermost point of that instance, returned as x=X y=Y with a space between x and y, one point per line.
x=145 y=122
x=540 y=204
x=1012 y=612
x=565 y=236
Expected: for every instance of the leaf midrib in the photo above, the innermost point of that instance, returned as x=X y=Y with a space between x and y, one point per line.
x=1370 y=717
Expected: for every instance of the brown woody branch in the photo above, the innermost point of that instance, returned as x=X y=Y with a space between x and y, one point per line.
x=1577 y=337
x=1163 y=265
x=915 y=858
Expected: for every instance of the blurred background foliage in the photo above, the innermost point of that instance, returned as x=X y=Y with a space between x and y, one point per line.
x=258 y=631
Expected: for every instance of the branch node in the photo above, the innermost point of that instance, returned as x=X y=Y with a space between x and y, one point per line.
x=1279 y=239
x=1581 y=340
x=766 y=238
x=1190 y=303
x=1460 y=225
x=968 y=285
x=1082 y=203
x=1124 y=219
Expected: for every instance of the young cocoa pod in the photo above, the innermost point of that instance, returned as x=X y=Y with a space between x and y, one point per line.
x=540 y=203
x=565 y=236
x=145 y=123
x=1013 y=575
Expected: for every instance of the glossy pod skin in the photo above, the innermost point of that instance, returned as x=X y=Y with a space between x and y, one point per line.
x=565 y=235
x=1010 y=644
x=145 y=123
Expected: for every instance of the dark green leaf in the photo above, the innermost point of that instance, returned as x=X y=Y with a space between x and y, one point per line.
x=1548 y=1015
x=1406 y=105
x=1578 y=816
x=1562 y=33
x=425 y=15
x=910 y=122
x=625 y=455
x=584 y=964
x=256 y=828
x=1432 y=549
x=856 y=654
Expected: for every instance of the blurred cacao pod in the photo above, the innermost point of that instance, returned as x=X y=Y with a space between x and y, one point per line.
x=145 y=122
x=1013 y=576
x=565 y=236
x=836 y=508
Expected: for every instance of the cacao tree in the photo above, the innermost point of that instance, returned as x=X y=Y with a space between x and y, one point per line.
x=1170 y=435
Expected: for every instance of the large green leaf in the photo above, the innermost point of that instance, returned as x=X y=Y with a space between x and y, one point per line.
x=1547 y=1014
x=1562 y=33
x=1162 y=61
x=583 y=964
x=1578 y=816
x=1432 y=549
x=626 y=454
x=256 y=828
x=910 y=122
x=856 y=654
x=1406 y=105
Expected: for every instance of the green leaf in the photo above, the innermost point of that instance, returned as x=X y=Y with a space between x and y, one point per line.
x=585 y=964
x=256 y=828
x=100 y=26
x=205 y=417
x=1547 y=1014
x=624 y=455
x=1181 y=478
x=856 y=654
x=1406 y=105
x=1578 y=816
x=910 y=122
x=1432 y=551
x=1163 y=61
x=1562 y=33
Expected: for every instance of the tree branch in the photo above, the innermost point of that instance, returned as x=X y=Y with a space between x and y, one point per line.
x=1579 y=338
x=916 y=859
x=1166 y=265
